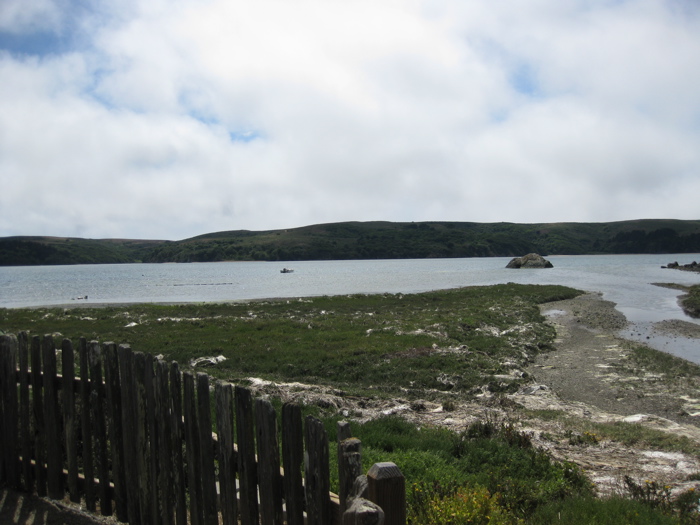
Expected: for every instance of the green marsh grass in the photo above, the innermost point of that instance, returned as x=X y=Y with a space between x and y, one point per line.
x=452 y=340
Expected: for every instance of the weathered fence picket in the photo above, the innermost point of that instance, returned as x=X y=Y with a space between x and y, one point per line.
x=225 y=452
x=179 y=490
x=292 y=460
x=247 y=467
x=9 y=466
x=38 y=418
x=133 y=436
x=69 y=422
x=268 y=464
x=24 y=412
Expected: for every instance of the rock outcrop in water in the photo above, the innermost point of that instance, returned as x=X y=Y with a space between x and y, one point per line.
x=531 y=260
x=692 y=267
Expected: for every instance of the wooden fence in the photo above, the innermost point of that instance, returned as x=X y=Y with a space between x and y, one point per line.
x=127 y=435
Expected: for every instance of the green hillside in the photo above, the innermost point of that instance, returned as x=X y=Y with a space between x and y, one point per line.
x=28 y=251
x=369 y=240
x=389 y=240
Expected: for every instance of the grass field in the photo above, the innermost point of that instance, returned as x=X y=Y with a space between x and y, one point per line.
x=454 y=340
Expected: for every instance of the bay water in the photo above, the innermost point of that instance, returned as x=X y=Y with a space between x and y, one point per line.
x=627 y=280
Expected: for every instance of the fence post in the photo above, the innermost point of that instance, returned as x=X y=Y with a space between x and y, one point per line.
x=141 y=437
x=363 y=512
x=206 y=451
x=86 y=426
x=268 y=464
x=165 y=450
x=292 y=459
x=318 y=502
x=178 y=435
x=38 y=413
x=54 y=453
x=116 y=432
x=349 y=468
x=247 y=468
x=69 y=421
x=227 y=459
x=387 y=488
x=343 y=433
x=153 y=441
x=192 y=438
x=97 y=399
x=25 y=435
x=126 y=378
x=9 y=460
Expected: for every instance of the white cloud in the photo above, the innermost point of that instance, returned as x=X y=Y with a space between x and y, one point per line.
x=174 y=118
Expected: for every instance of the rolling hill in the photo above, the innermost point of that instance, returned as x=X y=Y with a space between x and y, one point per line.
x=368 y=240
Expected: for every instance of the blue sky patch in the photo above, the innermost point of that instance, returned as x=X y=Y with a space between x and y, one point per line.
x=39 y=44
x=524 y=79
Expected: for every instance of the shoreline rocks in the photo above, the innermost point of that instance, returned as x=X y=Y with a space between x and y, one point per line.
x=691 y=267
x=531 y=260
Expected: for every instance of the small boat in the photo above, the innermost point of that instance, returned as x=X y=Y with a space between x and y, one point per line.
x=286 y=270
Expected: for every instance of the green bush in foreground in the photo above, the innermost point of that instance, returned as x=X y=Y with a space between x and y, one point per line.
x=489 y=458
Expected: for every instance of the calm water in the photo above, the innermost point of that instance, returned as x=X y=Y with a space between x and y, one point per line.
x=623 y=279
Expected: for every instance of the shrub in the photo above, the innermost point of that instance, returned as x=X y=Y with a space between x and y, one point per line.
x=462 y=505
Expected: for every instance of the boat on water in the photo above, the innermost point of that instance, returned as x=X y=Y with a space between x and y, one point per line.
x=286 y=270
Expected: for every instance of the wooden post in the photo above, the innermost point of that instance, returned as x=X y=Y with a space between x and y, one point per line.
x=165 y=450
x=126 y=378
x=38 y=412
x=318 y=502
x=268 y=464
x=116 y=431
x=227 y=459
x=363 y=512
x=387 y=488
x=247 y=467
x=69 y=421
x=141 y=438
x=86 y=427
x=292 y=459
x=349 y=468
x=9 y=460
x=97 y=399
x=179 y=439
x=54 y=452
x=206 y=451
x=194 y=478
x=25 y=435
x=153 y=440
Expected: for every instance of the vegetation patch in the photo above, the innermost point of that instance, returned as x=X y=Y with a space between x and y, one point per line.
x=428 y=344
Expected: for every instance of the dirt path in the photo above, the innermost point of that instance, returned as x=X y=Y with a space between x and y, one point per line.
x=591 y=376
x=591 y=365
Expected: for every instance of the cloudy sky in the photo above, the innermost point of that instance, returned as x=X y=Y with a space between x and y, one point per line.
x=166 y=119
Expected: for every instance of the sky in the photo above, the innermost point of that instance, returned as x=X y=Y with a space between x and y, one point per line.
x=166 y=119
